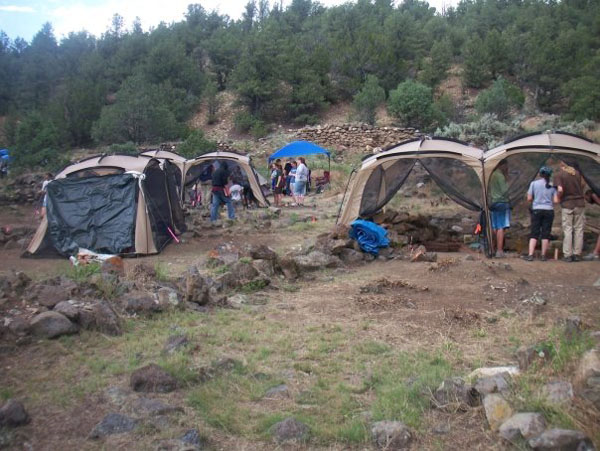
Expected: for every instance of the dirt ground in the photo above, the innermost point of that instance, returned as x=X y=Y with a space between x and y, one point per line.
x=471 y=307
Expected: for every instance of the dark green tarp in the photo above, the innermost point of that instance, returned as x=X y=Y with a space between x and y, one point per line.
x=96 y=213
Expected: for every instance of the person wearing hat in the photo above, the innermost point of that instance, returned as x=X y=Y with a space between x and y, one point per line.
x=569 y=185
x=542 y=196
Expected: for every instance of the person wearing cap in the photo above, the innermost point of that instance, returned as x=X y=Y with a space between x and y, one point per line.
x=569 y=185
x=220 y=179
x=542 y=196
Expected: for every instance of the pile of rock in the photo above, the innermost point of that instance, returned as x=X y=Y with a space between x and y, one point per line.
x=15 y=237
x=361 y=137
x=23 y=189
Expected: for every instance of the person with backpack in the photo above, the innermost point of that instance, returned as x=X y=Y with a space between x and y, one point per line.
x=542 y=196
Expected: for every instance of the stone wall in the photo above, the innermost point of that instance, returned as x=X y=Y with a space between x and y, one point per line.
x=357 y=137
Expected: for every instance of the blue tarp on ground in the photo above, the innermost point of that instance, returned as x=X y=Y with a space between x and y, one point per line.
x=298 y=148
x=369 y=235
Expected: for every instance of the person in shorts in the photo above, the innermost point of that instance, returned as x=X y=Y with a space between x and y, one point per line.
x=300 y=181
x=500 y=206
x=542 y=196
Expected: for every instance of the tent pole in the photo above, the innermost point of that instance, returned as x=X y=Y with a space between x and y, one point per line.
x=486 y=210
x=344 y=197
x=329 y=158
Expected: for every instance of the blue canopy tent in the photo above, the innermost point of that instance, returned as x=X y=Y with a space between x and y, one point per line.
x=4 y=155
x=298 y=148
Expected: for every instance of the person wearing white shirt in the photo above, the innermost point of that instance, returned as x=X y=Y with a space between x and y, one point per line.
x=300 y=181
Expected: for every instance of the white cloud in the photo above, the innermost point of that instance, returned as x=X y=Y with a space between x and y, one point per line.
x=17 y=9
x=96 y=18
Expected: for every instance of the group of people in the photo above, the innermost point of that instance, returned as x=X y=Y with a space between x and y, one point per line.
x=567 y=190
x=291 y=179
x=221 y=186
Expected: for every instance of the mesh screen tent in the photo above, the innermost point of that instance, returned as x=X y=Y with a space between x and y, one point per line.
x=465 y=173
x=456 y=167
x=524 y=155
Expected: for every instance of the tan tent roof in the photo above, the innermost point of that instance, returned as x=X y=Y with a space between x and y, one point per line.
x=386 y=161
x=121 y=162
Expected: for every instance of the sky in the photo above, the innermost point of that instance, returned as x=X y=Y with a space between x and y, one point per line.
x=24 y=18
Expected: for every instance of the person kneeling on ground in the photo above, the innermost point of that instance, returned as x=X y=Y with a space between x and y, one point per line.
x=542 y=195
x=593 y=198
x=220 y=178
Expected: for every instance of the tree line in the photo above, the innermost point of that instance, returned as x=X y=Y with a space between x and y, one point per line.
x=289 y=64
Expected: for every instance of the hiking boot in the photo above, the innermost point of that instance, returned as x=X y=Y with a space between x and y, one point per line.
x=567 y=259
x=592 y=258
x=528 y=258
x=576 y=258
x=499 y=254
x=543 y=258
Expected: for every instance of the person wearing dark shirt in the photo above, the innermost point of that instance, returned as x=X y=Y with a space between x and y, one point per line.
x=569 y=184
x=220 y=178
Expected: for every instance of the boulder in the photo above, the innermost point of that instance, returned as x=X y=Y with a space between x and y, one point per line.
x=455 y=393
x=153 y=407
x=557 y=392
x=262 y=252
x=195 y=288
x=50 y=295
x=175 y=343
x=193 y=437
x=589 y=367
x=527 y=355
x=280 y=391
x=141 y=303
x=493 y=384
x=51 y=325
x=168 y=298
x=289 y=267
x=152 y=378
x=244 y=271
x=67 y=308
x=573 y=327
x=497 y=410
x=390 y=435
x=522 y=425
x=113 y=423
x=264 y=267
x=562 y=440
x=350 y=256
x=103 y=319
x=13 y=414
x=288 y=430
x=113 y=265
x=316 y=260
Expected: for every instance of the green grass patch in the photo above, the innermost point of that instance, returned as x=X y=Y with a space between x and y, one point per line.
x=82 y=273
x=253 y=286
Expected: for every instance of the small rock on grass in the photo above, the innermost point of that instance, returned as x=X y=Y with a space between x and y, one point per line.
x=13 y=414
x=52 y=325
x=558 y=392
x=527 y=425
x=175 y=343
x=288 y=430
x=280 y=391
x=391 y=435
x=151 y=407
x=113 y=423
x=497 y=410
x=562 y=439
x=152 y=378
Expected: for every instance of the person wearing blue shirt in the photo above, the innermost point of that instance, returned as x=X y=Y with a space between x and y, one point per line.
x=542 y=196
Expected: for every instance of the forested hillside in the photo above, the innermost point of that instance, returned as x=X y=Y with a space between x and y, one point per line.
x=288 y=65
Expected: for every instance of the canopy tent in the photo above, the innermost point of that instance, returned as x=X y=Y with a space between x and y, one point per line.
x=526 y=154
x=117 y=204
x=241 y=169
x=298 y=148
x=4 y=154
x=190 y=171
x=464 y=172
x=453 y=165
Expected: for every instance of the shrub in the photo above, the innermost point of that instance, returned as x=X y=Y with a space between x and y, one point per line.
x=196 y=144
x=499 y=99
x=127 y=148
x=243 y=122
x=368 y=98
x=412 y=102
